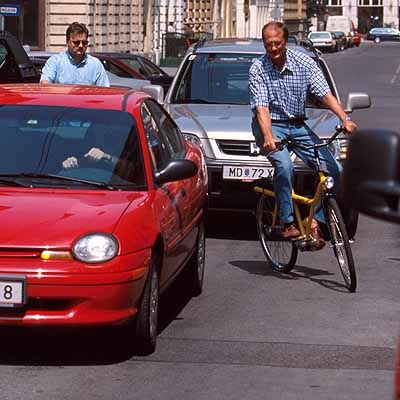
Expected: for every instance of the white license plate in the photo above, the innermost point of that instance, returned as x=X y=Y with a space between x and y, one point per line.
x=246 y=172
x=12 y=291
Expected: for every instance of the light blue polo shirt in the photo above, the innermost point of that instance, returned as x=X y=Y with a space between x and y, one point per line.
x=61 y=68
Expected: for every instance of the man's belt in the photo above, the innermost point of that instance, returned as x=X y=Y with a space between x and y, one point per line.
x=297 y=120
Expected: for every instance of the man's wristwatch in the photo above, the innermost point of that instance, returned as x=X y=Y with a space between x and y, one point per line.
x=348 y=118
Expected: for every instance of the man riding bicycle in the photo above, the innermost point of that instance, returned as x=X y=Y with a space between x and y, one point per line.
x=279 y=83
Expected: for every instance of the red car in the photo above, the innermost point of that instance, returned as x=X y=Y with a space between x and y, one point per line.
x=102 y=204
x=356 y=39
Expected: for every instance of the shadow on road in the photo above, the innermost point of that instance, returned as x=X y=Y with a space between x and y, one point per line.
x=299 y=272
x=231 y=225
x=89 y=346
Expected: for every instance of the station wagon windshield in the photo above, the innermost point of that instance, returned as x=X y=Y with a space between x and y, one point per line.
x=222 y=79
x=216 y=79
x=43 y=146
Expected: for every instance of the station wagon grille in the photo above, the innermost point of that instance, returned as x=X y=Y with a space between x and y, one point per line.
x=234 y=147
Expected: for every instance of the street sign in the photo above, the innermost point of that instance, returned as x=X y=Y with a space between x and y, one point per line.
x=10 y=10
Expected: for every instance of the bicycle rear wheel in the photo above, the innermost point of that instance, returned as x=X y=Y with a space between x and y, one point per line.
x=281 y=254
x=340 y=244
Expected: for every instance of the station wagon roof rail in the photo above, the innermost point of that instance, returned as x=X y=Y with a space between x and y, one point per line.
x=245 y=45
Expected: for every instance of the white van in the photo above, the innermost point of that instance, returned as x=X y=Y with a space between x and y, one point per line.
x=341 y=23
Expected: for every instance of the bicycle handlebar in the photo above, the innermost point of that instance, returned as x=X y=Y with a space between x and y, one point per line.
x=287 y=142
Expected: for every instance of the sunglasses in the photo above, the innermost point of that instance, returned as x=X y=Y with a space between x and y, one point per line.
x=78 y=42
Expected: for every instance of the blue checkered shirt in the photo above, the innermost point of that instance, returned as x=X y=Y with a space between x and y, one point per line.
x=284 y=92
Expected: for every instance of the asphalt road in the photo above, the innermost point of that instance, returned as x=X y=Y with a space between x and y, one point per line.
x=253 y=334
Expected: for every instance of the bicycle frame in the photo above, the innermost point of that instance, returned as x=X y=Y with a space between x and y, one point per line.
x=305 y=230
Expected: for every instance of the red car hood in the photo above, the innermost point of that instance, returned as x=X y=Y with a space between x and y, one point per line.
x=51 y=219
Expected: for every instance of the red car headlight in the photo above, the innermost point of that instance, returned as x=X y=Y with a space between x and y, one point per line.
x=95 y=248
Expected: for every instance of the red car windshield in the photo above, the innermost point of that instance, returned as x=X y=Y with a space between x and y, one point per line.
x=76 y=144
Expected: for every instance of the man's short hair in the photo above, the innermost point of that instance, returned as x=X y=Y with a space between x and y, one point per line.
x=76 y=28
x=276 y=25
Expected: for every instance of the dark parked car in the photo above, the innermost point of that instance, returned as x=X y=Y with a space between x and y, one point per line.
x=142 y=66
x=15 y=65
x=374 y=188
x=341 y=40
x=381 y=34
x=292 y=39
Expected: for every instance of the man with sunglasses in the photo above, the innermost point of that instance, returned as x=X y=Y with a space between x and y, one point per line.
x=279 y=83
x=74 y=66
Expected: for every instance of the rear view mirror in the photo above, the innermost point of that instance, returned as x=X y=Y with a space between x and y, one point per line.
x=176 y=170
x=371 y=177
x=356 y=101
x=155 y=91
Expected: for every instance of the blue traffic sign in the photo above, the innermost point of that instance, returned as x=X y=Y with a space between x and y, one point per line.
x=10 y=10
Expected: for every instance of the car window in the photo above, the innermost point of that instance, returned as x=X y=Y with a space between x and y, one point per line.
x=159 y=153
x=135 y=65
x=152 y=69
x=115 y=69
x=223 y=79
x=9 y=71
x=170 y=133
x=53 y=134
x=320 y=35
x=3 y=53
x=215 y=78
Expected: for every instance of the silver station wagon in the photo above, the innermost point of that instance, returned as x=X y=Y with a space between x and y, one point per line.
x=209 y=100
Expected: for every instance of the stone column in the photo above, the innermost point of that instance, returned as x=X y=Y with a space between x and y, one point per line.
x=391 y=13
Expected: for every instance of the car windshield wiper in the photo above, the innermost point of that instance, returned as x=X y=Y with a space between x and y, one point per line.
x=10 y=182
x=101 y=185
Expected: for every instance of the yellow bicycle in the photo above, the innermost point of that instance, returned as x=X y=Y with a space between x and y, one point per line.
x=281 y=253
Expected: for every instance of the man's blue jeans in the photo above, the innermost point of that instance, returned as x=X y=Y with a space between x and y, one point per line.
x=283 y=175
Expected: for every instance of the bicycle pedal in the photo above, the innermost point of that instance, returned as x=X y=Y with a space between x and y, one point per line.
x=307 y=245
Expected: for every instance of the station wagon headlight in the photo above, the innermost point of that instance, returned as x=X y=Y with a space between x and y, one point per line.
x=95 y=248
x=194 y=140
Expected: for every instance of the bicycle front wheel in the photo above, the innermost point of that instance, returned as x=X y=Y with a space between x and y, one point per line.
x=281 y=254
x=340 y=244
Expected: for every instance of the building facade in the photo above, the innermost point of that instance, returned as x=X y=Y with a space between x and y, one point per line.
x=114 y=25
x=139 y=25
x=367 y=14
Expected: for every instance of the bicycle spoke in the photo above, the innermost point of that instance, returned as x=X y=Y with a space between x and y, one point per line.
x=341 y=245
x=281 y=254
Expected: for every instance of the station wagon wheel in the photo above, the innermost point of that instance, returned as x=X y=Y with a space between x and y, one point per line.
x=146 y=324
x=377 y=39
x=196 y=265
x=281 y=254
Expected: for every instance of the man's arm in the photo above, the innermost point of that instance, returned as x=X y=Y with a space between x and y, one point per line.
x=264 y=122
x=259 y=99
x=49 y=71
x=101 y=75
x=330 y=101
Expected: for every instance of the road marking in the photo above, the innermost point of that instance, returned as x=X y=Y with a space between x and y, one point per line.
x=395 y=76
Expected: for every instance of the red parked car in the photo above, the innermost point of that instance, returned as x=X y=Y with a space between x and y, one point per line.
x=356 y=39
x=102 y=204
